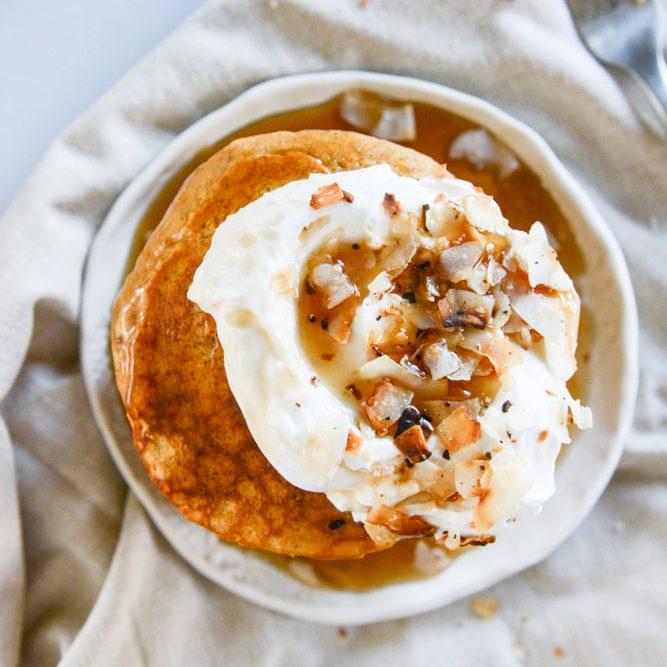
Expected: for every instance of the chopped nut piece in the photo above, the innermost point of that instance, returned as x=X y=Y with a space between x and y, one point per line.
x=329 y=194
x=391 y=207
x=465 y=308
x=385 y=405
x=457 y=430
x=485 y=608
x=412 y=444
x=399 y=522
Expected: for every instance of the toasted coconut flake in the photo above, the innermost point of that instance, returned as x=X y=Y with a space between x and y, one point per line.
x=439 y=409
x=436 y=481
x=412 y=444
x=494 y=272
x=440 y=216
x=340 y=322
x=440 y=361
x=381 y=535
x=476 y=281
x=500 y=351
x=468 y=477
x=484 y=213
x=469 y=363
x=457 y=262
x=483 y=150
x=429 y=559
x=539 y=260
x=395 y=258
x=378 y=117
x=397 y=123
x=485 y=608
x=385 y=367
x=385 y=405
x=304 y=572
x=330 y=280
x=507 y=483
x=465 y=308
x=423 y=317
x=582 y=416
x=380 y=284
x=555 y=318
x=413 y=369
x=457 y=430
x=391 y=206
x=388 y=333
x=399 y=522
x=327 y=195
x=502 y=309
x=478 y=540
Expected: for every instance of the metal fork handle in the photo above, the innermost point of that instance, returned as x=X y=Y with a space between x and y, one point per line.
x=650 y=73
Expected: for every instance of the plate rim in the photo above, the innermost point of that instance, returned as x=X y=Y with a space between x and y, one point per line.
x=444 y=97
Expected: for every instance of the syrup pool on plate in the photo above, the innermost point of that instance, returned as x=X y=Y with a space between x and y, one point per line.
x=470 y=153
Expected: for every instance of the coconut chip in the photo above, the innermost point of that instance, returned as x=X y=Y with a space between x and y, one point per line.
x=457 y=262
x=330 y=280
x=412 y=444
x=457 y=430
x=440 y=361
x=465 y=308
x=399 y=522
x=385 y=405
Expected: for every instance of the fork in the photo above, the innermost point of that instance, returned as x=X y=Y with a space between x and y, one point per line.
x=627 y=35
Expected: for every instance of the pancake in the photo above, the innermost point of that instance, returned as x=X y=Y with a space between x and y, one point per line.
x=186 y=425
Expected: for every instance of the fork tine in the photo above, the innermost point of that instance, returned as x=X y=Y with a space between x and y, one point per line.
x=585 y=10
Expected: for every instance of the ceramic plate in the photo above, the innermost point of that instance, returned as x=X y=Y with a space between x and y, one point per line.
x=581 y=476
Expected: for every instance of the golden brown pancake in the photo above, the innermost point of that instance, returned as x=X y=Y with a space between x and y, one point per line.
x=186 y=425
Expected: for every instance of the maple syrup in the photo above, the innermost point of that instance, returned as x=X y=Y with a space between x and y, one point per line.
x=523 y=200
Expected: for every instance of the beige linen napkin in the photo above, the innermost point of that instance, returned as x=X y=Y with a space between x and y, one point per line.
x=84 y=576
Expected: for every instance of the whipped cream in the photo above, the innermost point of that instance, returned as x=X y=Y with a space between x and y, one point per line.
x=249 y=282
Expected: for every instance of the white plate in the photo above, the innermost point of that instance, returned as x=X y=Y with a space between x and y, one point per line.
x=581 y=477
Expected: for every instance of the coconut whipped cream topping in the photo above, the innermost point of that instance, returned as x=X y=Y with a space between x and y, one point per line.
x=393 y=343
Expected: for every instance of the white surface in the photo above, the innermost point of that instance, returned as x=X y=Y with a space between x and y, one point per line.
x=56 y=58
x=95 y=594
x=580 y=478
